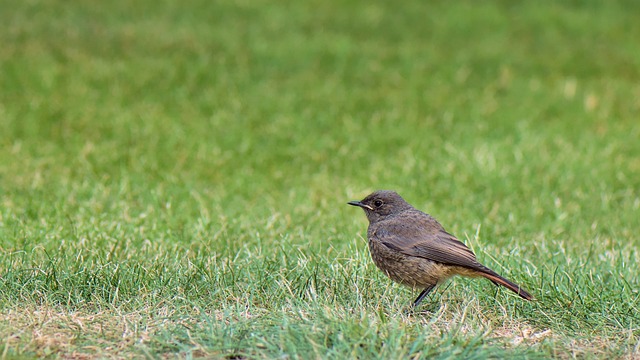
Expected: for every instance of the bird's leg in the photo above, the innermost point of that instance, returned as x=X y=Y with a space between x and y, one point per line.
x=423 y=294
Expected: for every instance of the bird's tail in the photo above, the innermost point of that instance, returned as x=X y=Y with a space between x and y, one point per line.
x=499 y=280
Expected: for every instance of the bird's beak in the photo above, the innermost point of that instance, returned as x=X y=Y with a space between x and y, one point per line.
x=358 y=203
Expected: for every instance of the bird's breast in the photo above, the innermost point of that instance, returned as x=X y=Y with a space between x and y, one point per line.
x=408 y=270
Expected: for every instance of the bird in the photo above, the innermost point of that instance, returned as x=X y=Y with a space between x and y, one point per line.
x=414 y=249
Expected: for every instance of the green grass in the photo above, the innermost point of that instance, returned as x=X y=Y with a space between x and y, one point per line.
x=174 y=176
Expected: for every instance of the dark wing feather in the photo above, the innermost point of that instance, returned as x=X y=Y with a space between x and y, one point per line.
x=422 y=236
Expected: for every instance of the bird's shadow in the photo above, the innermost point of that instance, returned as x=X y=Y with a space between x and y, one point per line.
x=424 y=309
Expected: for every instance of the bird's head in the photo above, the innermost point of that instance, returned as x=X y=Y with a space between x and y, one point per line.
x=381 y=204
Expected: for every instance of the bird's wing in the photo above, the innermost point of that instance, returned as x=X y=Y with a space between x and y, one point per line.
x=424 y=237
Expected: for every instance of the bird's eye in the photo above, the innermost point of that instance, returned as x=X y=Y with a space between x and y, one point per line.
x=377 y=203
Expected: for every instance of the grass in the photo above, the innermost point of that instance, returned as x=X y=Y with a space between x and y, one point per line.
x=174 y=176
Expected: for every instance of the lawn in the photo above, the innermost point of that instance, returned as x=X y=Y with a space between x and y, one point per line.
x=174 y=176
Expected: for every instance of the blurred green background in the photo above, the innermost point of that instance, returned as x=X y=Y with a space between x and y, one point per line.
x=149 y=148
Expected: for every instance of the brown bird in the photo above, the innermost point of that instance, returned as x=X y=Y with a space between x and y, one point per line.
x=412 y=248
